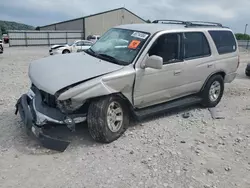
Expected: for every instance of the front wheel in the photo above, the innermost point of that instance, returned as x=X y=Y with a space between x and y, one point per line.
x=108 y=118
x=66 y=52
x=213 y=91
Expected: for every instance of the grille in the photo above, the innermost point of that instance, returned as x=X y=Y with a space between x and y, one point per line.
x=47 y=98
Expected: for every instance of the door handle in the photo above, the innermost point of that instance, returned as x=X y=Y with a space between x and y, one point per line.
x=177 y=72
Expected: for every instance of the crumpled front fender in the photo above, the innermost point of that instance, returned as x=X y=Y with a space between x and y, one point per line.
x=117 y=82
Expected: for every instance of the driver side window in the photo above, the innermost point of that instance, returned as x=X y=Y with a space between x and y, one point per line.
x=168 y=47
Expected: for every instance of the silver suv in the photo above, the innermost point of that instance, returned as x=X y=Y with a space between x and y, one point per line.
x=132 y=70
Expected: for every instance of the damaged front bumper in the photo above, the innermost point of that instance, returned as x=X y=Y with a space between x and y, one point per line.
x=37 y=117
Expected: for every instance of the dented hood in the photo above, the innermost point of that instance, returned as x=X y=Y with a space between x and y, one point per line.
x=53 y=73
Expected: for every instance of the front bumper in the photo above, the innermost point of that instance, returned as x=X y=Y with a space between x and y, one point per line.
x=37 y=118
x=54 y=52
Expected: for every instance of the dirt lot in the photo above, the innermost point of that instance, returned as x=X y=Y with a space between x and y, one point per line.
x=167 y=151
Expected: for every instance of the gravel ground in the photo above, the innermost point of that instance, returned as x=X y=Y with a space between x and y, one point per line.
x=168 y=151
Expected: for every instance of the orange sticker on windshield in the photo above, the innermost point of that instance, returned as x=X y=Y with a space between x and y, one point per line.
x=134 y=44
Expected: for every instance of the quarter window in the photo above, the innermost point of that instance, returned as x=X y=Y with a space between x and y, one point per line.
x=167 y=46
x=195 y=45
x=224 y=41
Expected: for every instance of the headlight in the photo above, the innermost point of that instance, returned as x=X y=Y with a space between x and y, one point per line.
x=68 y=106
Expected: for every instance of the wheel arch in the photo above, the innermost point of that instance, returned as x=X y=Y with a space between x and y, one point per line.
x=221 y=72
x=120 y=95
x=66 y=50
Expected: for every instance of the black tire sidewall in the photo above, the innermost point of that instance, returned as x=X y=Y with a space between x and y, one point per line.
x=205 y=93
x=97 y=121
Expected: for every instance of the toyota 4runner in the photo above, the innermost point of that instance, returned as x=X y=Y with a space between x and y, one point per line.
x=132 y=70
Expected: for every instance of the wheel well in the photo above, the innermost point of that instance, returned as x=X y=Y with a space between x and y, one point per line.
x=65 y=50
x=222 y=73
x=127 y=102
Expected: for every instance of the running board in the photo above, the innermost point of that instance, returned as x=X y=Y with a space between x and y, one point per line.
x=160 y=108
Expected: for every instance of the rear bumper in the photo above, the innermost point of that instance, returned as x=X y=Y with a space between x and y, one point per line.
x=230 y=77
x=27 y=113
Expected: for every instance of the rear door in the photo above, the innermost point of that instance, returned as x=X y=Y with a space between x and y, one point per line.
x=198 y=59
x=227 y=50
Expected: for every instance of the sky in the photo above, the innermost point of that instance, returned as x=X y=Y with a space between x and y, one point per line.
x=232 y=13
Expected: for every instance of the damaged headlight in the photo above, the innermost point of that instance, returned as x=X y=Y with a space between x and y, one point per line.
x=69 y=105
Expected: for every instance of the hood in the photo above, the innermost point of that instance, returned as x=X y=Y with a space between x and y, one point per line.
x=54 y=73
x=58 y=46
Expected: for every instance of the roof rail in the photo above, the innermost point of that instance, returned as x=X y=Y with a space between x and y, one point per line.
x=190 y=23
x=170 y=21
x=202 y=23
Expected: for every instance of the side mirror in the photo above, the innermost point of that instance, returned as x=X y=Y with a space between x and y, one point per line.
x=154 y=62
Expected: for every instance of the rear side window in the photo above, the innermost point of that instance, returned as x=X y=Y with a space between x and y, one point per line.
x=195 y=45
x=224 y=41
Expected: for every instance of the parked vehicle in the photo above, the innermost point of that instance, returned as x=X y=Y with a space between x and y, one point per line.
x=1 y=46
x=93 y=38
x=164 y=66
x=247 y=71
x=5 y=38
x=76 y=46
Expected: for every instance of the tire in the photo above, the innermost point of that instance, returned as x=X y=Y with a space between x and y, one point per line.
x=208 y=100
x=247 y=73
x=98 y=120
x=66 y=52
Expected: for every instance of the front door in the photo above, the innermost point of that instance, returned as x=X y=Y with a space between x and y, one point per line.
x=153 y=86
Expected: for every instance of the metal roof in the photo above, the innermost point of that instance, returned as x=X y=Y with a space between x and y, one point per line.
x=121 y=8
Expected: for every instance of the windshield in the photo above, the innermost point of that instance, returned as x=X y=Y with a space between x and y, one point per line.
x=71 y=44
x=119 y=45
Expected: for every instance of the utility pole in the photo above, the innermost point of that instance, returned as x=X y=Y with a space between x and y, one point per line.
x=245 y=32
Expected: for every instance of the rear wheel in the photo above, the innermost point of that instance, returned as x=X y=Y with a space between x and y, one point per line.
x=213 y=91
x=108 y=119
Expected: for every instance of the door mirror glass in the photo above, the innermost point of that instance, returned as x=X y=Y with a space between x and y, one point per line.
x=154 y=62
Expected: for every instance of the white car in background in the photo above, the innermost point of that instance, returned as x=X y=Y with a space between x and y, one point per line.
x=76 y=46
x=93 y=38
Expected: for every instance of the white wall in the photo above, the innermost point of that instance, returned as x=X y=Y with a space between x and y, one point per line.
x=99 y=24
x=39 y=38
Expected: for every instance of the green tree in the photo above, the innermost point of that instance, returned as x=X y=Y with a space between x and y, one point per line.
x=3 y=30
x=241 y=36
x=148 y=21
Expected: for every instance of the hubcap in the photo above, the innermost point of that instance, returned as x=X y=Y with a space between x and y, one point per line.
x=114 y=117
x=214 y=91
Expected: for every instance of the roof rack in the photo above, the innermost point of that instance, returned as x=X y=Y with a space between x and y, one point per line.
x=170 y=21
x=202 y=23
x=190 y=23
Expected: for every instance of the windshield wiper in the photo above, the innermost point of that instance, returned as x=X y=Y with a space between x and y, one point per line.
x=109 y=58
x=91 y=52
